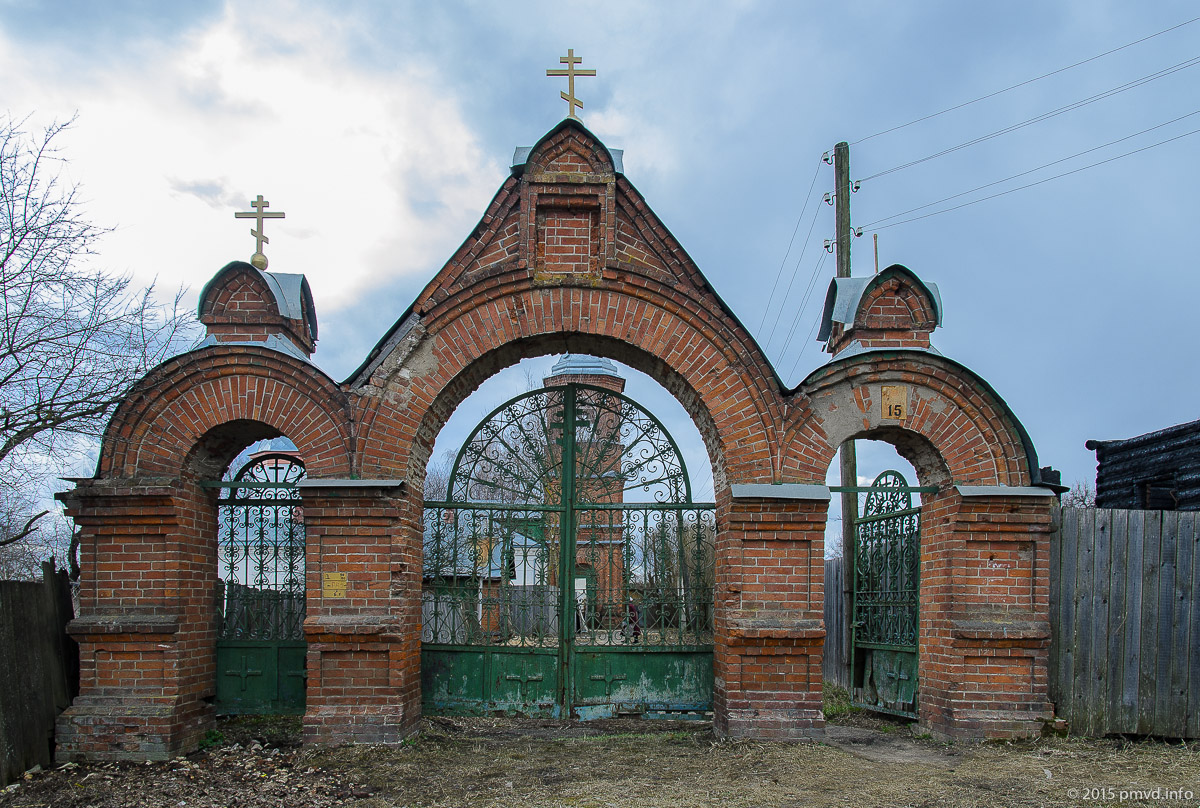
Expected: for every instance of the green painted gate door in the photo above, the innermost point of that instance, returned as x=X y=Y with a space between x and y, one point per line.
x=260 y=604
x=584 y=594
x=886 y=614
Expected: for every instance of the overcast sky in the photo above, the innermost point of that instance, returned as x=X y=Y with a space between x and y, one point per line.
x=383 y=130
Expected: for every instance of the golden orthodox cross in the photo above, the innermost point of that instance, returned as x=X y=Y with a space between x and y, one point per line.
x=259 y=213
x=570 y=60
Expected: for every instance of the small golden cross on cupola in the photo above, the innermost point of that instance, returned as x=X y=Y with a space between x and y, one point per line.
x=570 y=60
x=259 y=260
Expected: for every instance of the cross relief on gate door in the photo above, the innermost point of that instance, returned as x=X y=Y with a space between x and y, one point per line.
x=524 y=679
x=245 y=673
x=607 y=677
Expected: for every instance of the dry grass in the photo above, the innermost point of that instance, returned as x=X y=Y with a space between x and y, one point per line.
x=629 y=762
x=507 y=762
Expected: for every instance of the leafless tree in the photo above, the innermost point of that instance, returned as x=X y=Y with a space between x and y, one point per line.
x=437 y=477
x=73 y=339
x=1081 y=495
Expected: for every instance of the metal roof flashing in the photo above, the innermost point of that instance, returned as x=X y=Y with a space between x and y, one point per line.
x=854 y=348
x=273 y=342
x=845 y=294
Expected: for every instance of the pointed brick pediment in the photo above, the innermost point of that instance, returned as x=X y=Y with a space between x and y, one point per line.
x=567 y=217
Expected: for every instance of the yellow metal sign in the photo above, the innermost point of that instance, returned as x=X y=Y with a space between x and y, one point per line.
x=895 y=402
x=333 y=585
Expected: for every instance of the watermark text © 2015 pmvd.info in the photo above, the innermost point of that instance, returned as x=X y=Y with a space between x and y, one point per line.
x=1123 y=794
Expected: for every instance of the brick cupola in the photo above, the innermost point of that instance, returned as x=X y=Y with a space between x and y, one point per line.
x=894 y=309
x=243 y=305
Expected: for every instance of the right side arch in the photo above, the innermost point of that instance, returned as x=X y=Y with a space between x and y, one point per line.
x=984 y=569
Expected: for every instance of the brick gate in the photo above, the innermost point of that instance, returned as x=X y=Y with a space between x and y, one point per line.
x=568 y=257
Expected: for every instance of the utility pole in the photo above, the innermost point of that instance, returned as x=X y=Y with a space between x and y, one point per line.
x=847 y=456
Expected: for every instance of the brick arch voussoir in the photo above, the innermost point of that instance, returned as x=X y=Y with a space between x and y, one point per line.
x=623 y=308
x=169 y=412
x=727 y=400
x=952 y=413
x=706 y=352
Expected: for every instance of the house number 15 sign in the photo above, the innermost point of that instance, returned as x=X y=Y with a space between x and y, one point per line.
x=895 y=402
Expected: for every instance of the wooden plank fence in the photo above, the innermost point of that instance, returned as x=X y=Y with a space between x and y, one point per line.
x=39 y=669
x=1125 y=655
x=836 y=660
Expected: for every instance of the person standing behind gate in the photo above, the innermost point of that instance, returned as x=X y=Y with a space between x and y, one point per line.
x=633 y=620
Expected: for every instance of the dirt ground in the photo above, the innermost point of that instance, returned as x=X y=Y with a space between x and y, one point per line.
x=866 y=761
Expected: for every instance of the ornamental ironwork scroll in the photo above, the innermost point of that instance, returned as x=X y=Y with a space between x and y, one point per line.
x=886 y=601
x=567 y=532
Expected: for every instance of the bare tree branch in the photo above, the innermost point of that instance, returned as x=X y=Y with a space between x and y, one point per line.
x=25 y=531
x=73 y=339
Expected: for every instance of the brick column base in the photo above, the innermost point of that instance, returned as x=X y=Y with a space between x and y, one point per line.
x=356 y=683
x=131 y=708
x=779 y=695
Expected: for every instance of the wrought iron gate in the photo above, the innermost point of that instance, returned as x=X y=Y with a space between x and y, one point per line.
x=568 y=572
x=260 y=603
x=887 y=562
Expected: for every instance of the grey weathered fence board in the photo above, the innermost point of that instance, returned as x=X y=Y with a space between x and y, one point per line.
x=1098 y=676
x=1148 y=663
x=1193 y=722
x=1082 y=631
x=1118 y=562
x=1166 y=606
x=35 y=672
x=1133 y=620
x=835 y=662
x=1126 y=651
x=1175 y=724
x=1064 y=674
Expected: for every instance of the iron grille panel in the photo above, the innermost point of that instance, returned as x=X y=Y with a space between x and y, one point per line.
x=261 y=552
x=568 y=540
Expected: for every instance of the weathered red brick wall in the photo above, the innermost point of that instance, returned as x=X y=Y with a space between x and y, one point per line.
x=364 y=649
x=769 y=628
x=985 y=615
x=523 y=285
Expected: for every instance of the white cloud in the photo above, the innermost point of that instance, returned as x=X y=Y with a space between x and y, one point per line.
x=263 y=100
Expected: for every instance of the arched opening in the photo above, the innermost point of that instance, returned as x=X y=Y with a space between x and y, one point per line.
x=253 y=537
x=568 y=566
x=872 y=649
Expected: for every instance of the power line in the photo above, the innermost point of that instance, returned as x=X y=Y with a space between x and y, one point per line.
x=1023 y=83
x=804 y=302
x=1040 y=182
x=1044 y=116
x=796 y=229
x=788 y=292
x=1030 y=171
x=804 y=347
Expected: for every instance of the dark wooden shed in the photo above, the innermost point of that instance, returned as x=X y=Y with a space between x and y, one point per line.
x=1156 y=471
